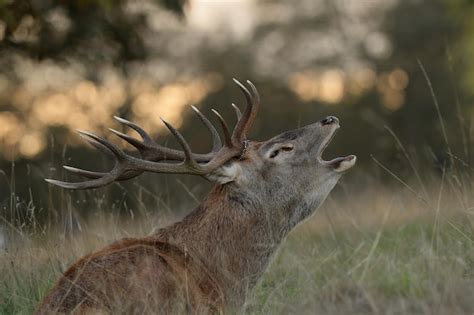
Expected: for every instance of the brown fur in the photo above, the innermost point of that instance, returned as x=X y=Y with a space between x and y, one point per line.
x=150 y=273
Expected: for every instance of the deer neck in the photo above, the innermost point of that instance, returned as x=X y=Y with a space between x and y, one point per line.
x=233 y=236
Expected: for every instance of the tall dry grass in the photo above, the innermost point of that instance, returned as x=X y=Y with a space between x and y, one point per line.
x=381 y=249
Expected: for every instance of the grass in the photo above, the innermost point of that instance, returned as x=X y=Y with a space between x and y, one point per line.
x=381 y=251
x=361 y=273
x=390 y=254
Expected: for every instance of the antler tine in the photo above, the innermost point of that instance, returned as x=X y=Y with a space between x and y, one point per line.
x=101 y=142
x=237 y=111
x=152 y=151
x=225 y=129
x=216 y=140
x=247 y=94
x=99 y=179
x=94 y=183
x=97 y=145
x=245 y=123
x=189 y=160
x=255 y=93
x=145 y=136
x=136 y=143
x=148 y=148
x=85 y=173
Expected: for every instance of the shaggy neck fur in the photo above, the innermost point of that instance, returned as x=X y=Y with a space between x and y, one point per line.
x=234 y=236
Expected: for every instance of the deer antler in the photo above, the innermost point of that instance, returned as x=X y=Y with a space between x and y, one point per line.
x=160 y=159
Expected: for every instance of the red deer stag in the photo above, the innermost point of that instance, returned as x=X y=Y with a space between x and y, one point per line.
x=209 y=261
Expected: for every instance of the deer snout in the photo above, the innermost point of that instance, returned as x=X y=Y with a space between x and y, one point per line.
x=329 y=121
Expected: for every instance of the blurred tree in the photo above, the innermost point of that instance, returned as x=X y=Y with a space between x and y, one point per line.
x=51 y=28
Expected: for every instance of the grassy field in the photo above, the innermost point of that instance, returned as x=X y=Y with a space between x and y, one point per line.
x=379 y=250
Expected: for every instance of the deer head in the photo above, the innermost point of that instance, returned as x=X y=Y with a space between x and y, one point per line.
x=287 y=173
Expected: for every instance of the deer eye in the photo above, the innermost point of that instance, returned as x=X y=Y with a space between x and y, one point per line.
x=287 y=148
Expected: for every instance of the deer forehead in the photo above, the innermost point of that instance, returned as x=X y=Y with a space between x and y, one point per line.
x=289 y=135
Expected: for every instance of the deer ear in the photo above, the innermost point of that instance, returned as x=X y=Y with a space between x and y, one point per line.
x=227 y=173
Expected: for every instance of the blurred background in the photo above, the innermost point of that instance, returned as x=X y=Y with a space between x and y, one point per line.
x=398 y=73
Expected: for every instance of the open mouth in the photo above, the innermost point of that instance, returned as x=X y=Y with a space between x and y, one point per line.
x=339 y=164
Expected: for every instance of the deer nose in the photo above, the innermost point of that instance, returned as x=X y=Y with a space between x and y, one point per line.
x=329 y=120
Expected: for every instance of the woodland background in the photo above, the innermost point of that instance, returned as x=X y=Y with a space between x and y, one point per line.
x=399 y=74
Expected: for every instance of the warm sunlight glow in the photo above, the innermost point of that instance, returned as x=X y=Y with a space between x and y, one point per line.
x=398 y=79
x=391 y=87
x=11 y=129
x=54 y=109
x=332 y=86
x=365 y=78
x=170 y=101
x=328 y=87
x=86 y=92
x=32 y=144
x=90 y=106
x=306 y=86
x=393 y=100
